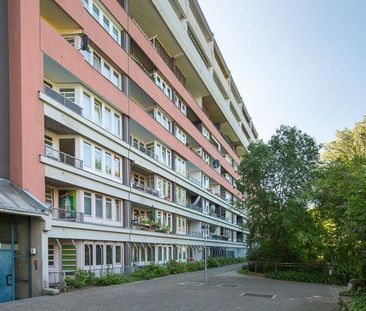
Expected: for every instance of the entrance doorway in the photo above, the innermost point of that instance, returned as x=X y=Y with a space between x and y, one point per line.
x=7 y=288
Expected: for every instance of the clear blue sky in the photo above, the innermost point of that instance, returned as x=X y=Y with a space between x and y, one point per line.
x=295 y=62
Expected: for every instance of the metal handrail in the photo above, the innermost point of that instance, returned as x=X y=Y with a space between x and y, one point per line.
x=195 y=234
x=145 y=189
x=65 y=214
x=144 y=150
x=62 y=157
x=62 y=100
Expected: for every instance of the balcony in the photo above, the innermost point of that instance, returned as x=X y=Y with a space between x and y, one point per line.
x=145 y=189
x=62 y=157
x=68 y=215
x=62 y=100
x=195 y=234
x=144 y=150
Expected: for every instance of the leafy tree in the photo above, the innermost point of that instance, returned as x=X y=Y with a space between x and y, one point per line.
x=341 y=199
x=277 y=183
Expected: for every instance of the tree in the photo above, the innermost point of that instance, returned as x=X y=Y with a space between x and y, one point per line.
x=277 y=182
x=341 y=199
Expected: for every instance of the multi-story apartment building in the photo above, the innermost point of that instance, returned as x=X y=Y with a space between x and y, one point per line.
x=122 y=130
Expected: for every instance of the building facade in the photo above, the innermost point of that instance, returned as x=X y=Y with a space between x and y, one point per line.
x=123 y=131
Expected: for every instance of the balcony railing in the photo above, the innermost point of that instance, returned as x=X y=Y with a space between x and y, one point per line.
x=195 y=234
x=195 y=207
x=144 y=150
x=62 y=157
x=194 y=180
x=145 y=189
x=62 y=100
x=69 y=215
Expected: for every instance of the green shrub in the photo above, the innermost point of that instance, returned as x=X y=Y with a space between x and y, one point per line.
x=81 y=279
x=150 y=272
x=308 y=277
x=358 y=301
x=84 y=278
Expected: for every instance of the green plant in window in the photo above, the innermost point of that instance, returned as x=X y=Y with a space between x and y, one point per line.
x=98 y=164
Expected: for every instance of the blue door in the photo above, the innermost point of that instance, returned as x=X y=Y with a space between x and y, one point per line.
x=6 y=275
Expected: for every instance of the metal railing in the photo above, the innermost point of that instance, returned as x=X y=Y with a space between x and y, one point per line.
x=62 y=100
x=144 y=150
x=56 y=279
x=145 y=189
x=194 y=180
x=69 y=215
x=195 y=234
x=62 y=157
x=195 y=207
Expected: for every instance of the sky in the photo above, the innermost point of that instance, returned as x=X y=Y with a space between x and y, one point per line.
x=295 y=62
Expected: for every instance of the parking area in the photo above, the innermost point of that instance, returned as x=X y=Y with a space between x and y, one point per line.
x=225 y=290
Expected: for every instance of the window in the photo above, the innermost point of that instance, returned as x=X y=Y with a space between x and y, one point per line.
x=86 y=3
x=163 y=119
x=49 y=197
x=205 y=133
x=150 y=254
x=107 y=119
x=181 y=135
x=181 y=225
x=96 y=12
x=108 y=163
x=108 y=208
x=96 y=61
x=118 y=254
x=98 y=159
x=106 y=23
x=106 y=71
x=182 y=107
x=205 y=157
x=139 y=179
x=109 y=254
x=68 y=94
x=164 y=154
x=205 y=181
x=117 y=167
x=117 y=124
x=98 y=206
x=88 y=255
x=87 y=203
x=115 y=79
x=206 y=206
x=180 y=166
x=160 y=253
x=87 y=106
x=118 y=210
x=51 y=255
x=99 y=255
x=181 y=195
x=164 y=188
x=97 y=112
x=115 y=34
x=164 y=218
x=86 y=154
x=163 y=86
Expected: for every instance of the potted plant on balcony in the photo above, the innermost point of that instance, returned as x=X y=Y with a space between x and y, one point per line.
x=164 y=229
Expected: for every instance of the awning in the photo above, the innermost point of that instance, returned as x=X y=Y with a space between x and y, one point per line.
x=17 y=201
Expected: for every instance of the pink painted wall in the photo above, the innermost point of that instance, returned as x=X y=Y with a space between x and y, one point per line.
x=26 y=110
x=62 y=52
x=113 y=51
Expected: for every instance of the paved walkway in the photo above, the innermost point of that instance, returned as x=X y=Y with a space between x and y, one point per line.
x=226 y=290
